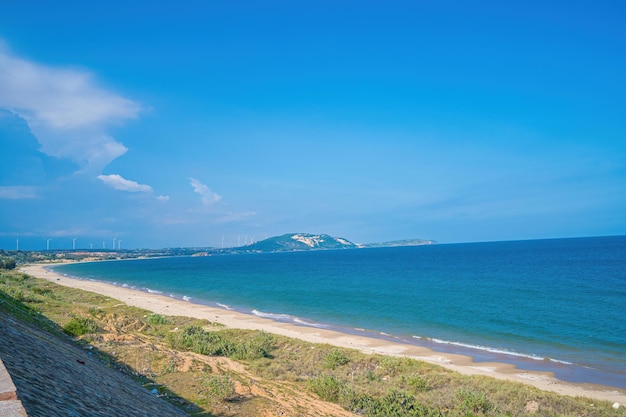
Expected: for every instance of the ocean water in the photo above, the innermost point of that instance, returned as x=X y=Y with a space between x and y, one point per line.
x=555 y=305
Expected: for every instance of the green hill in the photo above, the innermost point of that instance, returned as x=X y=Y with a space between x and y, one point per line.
x=299 y=242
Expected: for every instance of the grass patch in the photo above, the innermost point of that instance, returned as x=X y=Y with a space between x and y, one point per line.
x=335 y=358
x=416 y=383
x=79 y=326
x=327 y=387
x=254 y=345
x=219 y=388
x=472 y=402
x=157 y=319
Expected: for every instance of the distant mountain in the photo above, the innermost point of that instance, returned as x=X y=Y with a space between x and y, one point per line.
x=307 y=241
x=405 y=242
x=298 y=242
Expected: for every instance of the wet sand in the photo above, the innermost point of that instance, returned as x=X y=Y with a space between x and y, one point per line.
x=463 y=364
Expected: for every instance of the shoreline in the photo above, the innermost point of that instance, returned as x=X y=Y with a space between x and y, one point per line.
x=162 y=304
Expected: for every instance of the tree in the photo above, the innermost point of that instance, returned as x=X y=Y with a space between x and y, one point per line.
x=7 y=263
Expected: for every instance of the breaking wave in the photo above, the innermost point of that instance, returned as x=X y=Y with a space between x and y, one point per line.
x=287 y=318
x=490 y=349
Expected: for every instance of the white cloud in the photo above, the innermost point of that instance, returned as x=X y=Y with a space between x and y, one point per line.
x=120 y=183
x=65 y=110
x=236 y=216
x=163 y=197
x=18 y=192
x=208 y=196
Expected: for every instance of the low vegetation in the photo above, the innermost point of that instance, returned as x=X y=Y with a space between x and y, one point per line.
x=7 y=263
x=209 y=370
x=79 y=326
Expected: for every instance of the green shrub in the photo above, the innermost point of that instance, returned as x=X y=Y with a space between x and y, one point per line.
x=219 y=388
x=43 y=291
x=79 y=326
x=203 y=342
x=335 y=358
x=17 y=295
x=327 y=387
x=256 y=347
x=391 y=364
x=417 y=383
x=156 y=319
x=95 y=311
x=198 y=340
x=7 y=263
x=395 y=403
x=474 y=402
x=359 y=404
x=371 y=376
x=169 y=367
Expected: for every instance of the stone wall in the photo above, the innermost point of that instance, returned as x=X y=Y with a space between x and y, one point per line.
x=10 y=406
x=55 y=377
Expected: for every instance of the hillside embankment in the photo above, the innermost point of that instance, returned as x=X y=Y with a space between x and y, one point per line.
x=54 y=377
x=10 y=406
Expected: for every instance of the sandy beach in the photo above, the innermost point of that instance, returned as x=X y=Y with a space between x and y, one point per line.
x=463 y=364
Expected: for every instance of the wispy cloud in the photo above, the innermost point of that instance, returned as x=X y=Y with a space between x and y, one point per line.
x=233 y=217
x=120 y=183
x=208 y=196
x=65 y=110
x=18 y=192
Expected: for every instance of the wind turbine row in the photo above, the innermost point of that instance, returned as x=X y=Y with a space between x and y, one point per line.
x=117 y=243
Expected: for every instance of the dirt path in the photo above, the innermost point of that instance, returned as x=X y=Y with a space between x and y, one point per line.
x=289 y=401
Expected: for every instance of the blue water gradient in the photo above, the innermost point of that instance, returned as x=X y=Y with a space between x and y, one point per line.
x=555 y=305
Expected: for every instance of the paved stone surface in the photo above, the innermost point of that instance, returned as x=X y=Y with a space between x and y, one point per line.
x=12 y=408
x=53 y=377
x=7 y=389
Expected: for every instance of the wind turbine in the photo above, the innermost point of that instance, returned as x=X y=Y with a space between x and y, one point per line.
x=48 y=243
x=17 y=244
x=114 y=239
x=119 y=244
x=73 y=243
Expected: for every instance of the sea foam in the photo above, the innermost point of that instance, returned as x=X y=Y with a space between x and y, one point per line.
x=490 y=349
x=288 y=318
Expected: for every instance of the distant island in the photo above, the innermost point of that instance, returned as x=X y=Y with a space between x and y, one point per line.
x=394 y=243
x=298 y=241
x=308 y=241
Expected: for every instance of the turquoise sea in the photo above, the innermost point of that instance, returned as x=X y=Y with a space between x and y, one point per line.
x=554 y=305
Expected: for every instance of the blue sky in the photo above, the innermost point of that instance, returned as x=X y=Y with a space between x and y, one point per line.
x=188 y=123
